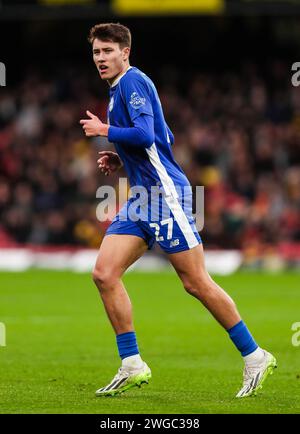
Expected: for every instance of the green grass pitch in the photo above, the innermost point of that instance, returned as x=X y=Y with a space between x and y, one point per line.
x=61 y=348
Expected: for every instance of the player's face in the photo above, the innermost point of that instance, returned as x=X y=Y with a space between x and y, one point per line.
x=109 y=59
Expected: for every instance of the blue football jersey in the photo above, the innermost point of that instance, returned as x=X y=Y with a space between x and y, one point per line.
x=132 y=95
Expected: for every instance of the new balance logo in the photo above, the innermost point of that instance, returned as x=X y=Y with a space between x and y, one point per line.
x=174 y=243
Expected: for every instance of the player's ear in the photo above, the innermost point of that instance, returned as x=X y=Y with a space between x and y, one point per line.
x=126 y=52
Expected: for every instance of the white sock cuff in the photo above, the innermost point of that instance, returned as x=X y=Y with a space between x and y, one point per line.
x=254 y=357
x=133 y=361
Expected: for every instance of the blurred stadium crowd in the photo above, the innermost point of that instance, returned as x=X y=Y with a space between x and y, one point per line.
x=236 y=133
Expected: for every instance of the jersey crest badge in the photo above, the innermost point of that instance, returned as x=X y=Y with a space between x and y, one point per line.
x=136 y=101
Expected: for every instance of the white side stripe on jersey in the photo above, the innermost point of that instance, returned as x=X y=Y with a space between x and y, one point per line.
x=182 y=221
x=172 y=197
x=166 y=181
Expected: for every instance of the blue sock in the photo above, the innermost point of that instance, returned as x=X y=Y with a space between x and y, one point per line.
x=127 y=344
x=242 y=338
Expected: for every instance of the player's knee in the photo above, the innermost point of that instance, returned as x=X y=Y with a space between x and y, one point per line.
x=104 y=277
x=198 y=286
x=97 y=276
x=191 y=286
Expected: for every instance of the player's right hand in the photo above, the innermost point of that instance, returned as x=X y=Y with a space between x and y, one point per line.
x=109 y=162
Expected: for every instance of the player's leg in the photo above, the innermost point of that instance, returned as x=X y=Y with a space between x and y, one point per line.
x=190 y=267
x=177 y=235
x=116 y=254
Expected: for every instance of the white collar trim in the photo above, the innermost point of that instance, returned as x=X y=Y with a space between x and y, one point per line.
x=116 y=81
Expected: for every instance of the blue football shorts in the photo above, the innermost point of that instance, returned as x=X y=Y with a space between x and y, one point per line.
x=167 y=221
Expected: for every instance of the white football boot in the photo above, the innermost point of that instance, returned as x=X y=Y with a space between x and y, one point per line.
x=125 y=379
x=255 y=375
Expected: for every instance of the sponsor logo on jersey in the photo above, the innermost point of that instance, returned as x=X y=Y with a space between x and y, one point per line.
x=136 y=101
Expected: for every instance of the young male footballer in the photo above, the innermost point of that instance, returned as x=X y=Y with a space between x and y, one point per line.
x=143 y=141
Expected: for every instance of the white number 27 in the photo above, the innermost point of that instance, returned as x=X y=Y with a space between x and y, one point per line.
x=156 y=226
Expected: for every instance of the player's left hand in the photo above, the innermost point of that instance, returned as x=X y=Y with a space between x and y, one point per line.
x=93 y=127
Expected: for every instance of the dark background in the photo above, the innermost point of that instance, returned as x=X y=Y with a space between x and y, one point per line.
x=189 y=43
